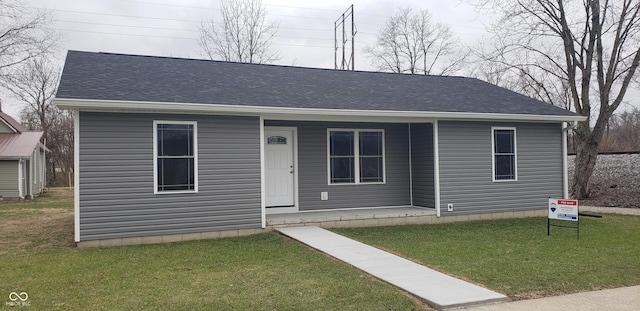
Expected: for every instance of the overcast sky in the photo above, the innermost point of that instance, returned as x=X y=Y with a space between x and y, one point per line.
x=170 y=27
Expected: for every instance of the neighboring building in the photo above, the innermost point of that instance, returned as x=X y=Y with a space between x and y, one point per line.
x=22 y=160
x=176 y=148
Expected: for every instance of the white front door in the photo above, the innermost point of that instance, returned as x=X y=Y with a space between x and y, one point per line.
x=279 y=167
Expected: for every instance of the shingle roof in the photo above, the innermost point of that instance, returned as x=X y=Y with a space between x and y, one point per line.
x=13 y=123
x=105 y=76
x=17 y=146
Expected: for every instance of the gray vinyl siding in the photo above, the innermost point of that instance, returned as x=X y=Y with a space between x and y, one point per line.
x=9 y=178
x=312 y=168
x=422 y=165
x=116 y=177
x=466 y=170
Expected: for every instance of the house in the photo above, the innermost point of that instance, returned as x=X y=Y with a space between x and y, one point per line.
x=22 y=160
x=169 y=148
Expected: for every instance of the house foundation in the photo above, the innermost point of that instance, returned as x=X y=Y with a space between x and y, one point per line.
x=324 y=219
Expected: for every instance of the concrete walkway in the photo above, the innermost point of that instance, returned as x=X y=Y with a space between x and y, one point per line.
x=437 y=289
x=619 y=299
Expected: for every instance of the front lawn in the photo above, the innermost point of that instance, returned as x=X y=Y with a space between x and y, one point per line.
x=260 y=272
x=516 y=257
x=269 y=271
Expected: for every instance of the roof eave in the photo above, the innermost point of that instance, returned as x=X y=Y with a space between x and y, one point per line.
x=170 y=107
x=15 y=157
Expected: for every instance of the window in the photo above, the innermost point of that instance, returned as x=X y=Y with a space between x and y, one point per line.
x=342 y=157
x=175 y=154
x=371 y=159
x=504 y=154
x=356 y=156
x=276 y=140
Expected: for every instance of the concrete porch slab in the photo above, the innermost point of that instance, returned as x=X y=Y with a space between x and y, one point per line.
x=324 y=216
x=437 y=289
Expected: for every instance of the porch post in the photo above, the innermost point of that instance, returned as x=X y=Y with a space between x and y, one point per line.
x=436 y=167
x=30 y=176
x=20 y=179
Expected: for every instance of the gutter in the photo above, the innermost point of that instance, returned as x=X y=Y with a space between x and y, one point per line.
x=297 y=113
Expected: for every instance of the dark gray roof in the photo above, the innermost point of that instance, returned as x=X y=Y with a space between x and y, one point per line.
x=106 y=76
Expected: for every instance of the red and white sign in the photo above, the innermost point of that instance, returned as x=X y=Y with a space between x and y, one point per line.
x=563 y=209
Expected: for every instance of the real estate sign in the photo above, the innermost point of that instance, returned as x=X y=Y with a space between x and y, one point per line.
x=563 y=209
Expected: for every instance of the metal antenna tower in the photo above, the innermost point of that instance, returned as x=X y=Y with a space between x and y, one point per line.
x=340 y=22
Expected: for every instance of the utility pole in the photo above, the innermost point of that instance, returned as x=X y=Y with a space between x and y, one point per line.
x=345 y=63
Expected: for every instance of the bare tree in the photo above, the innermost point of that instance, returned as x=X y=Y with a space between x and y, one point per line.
x=410 y=43
x=589 y=49
x=34 y=83
x=23 y=35
x=622 y=132
x=534 y=83
x=243 y=35
x=59 y=141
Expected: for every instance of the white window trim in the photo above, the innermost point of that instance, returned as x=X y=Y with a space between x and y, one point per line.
x=155 y=156
x=356 y=151
x=493 y=154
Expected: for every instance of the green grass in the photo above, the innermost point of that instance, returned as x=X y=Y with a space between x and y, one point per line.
x=259 y=272
x=516 y=257
x=41 y=224
x=269 y=271
x=53 y=198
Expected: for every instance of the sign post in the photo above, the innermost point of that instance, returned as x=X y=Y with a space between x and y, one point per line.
x=566 y=210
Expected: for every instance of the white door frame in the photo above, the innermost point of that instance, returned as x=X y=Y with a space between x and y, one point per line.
x=294 y=131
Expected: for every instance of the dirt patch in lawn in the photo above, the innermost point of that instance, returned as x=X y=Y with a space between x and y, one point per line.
x=30 y=229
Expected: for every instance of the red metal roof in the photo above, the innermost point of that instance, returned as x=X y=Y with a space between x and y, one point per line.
x=13 y=123
x=18 y=146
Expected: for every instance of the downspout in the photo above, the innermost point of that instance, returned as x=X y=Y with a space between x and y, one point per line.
x=410 y=167
x=565 y=169
x=436 y=167
x=263 y=209
x=76 y=174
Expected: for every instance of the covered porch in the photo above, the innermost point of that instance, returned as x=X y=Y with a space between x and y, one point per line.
x=307 y=181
